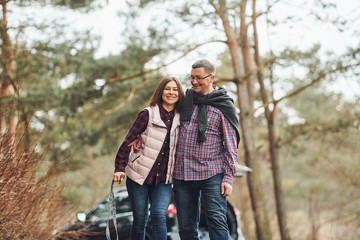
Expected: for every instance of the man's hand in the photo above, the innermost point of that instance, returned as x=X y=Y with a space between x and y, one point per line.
x=118 y=176
x=226 y=189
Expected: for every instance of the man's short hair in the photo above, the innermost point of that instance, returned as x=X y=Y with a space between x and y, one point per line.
x=206 y=64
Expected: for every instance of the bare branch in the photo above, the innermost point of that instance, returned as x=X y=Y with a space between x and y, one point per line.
x=259 y=14
x=291 y=138
x=164 y=65
x=221 y=79
x=321 y=75
x=130 y=97
x=312 y=128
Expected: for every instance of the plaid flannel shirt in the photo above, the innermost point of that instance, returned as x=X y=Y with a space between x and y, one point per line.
x=218 y=154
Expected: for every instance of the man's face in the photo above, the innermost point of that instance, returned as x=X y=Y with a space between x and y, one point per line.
x=200 y=84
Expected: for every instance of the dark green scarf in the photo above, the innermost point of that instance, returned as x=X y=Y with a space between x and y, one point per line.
x=218 y=99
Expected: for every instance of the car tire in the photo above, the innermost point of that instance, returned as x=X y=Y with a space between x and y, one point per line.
x=232 y=222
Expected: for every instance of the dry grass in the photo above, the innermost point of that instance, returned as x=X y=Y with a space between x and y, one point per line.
x=30 y=207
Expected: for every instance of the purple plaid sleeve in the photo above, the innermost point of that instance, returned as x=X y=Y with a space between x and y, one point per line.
x=137 y=128
x=230 y=150
x=218 y=154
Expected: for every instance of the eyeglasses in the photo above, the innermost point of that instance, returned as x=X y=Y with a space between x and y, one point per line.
x=199 y=79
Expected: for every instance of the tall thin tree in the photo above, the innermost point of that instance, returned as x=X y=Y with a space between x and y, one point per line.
x=246 y=103
x=270 y=119
x=8 y=87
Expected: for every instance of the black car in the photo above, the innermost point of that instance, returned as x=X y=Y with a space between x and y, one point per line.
x=92 y=225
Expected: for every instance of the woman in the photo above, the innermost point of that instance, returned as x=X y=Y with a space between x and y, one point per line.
x=149 y=170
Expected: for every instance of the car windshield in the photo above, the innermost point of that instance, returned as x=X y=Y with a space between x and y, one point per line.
x=101 y=211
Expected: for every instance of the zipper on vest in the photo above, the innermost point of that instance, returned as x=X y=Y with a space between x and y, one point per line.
x=174 y=143
x=157 y=125
x=135 y=158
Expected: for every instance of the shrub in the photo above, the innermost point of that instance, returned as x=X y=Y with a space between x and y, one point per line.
x=30 y=206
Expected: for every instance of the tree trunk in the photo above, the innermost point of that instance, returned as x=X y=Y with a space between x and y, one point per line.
x=246 y=123
x=244 y=206
x=313 y=212
x=8 y=89
x=280 y=206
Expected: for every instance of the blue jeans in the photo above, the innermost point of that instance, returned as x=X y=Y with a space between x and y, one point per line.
x=159 y=197
x=187 y=197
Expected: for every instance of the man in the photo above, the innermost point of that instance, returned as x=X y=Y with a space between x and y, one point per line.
x=206 y=154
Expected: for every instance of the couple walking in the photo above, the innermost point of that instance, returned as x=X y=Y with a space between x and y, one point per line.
x=189 y=141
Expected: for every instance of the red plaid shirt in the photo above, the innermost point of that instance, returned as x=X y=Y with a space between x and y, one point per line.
x=159 y=169
x=218 y=154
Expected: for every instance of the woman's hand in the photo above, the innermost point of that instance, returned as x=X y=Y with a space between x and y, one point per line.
x=118 y=176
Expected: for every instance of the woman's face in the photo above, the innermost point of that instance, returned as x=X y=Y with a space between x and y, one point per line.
x=170 y=95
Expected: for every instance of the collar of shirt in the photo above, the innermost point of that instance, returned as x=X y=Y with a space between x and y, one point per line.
x=163 y=111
